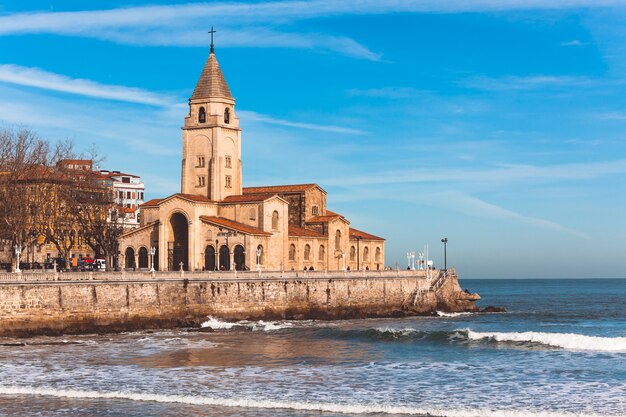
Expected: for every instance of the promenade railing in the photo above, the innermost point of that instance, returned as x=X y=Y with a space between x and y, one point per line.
x=204 y=275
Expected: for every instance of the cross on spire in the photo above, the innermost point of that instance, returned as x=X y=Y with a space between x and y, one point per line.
x=212 y=31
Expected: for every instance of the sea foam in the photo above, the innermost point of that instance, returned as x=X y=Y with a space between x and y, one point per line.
x=444 y=314
x=293 y=405
x=260 y=325
x=570 y=341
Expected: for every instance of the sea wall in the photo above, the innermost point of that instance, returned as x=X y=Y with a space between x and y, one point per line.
x=57 y=307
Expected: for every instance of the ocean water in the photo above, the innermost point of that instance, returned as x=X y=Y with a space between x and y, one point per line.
x=560 y=350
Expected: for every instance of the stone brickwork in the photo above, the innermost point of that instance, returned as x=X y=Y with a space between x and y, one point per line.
x=54 y=308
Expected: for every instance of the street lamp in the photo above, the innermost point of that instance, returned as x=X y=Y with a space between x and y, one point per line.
x=421 y=258
x=445 y=254
x=152 y=253
x=258 y=258
x=18 y=252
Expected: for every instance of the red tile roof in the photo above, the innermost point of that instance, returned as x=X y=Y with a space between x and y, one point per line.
x=152 y=203
x=277 y=189
x=248 y=198
x=139 y=229
x=192 y=197
x=354 y=233
x=229 y=224
x=300 y=232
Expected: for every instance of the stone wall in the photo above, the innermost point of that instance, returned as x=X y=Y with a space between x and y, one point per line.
x=79 y=307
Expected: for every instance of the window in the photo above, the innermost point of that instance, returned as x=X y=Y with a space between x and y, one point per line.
x=261 y=254
x=200 y=162
x=228 y=162
x=126 y=180
x=201 y=181
x=229 y=183
x=201 y=115
x=366 y=254
x=322 y=253
x=292 y=252
x=141 y=195
x=275 y=220
x=133 y=196
x=338 y=240
x=253 y=214
x=127 y=205
x=120 y=195
x=377 y=255
x=227 y=115
x=128 y=195
x=315 y=210
x=307 y=252
x=352 y=253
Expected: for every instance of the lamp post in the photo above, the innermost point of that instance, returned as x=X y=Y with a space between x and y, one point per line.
x=343 y=258
x=408 y=260
x=421 y=260
x=358 y=253
x=217 y=255
x=445 y=253
x=152 y=253
x=18 y=252
x=258 y=259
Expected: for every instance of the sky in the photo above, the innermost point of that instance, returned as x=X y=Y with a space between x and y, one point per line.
x=498 y=124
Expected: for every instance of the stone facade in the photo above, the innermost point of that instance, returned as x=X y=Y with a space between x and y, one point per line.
x=215 y=223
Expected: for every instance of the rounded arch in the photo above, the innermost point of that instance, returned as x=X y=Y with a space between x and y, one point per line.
x=292 y=252
x=322 y=253
x=178 y=244
x=307 y=252
x=143 y=257
x=202 y=115
x=209 y=258
x=338 y=239
x=275 y=220
x=377 y=254
x=352 y=253
x=240 y=258
x=366 y=254
x=224 y=260
x=226 y=115
x=129 y=257
x=260 y=255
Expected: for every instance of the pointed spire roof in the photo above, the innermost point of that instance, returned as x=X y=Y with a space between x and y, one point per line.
x=211 y=83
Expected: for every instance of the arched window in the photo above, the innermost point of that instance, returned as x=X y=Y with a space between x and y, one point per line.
x=261 y=254
x=338 y=240
x=202 y=115
x=275 y=220
x=129 y=257
x=377 y=255
x=352 y=253
x=322 y=253
x=307 y=252
x=366 y=254
x=227 y=115
x=292 y=252
x=253 y=213
x=143 y=257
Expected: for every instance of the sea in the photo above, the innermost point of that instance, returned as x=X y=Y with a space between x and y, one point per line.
x=559 y=350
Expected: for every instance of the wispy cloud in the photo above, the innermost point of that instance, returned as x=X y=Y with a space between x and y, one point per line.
x=258 y=117
x=246 y=24
x=476 y=207
x=612 y=116
x=533 y=82
x=387 y=92
x=574 y=42
x=38 y=78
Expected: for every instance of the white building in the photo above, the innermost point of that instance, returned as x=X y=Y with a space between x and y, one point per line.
x=129 y=195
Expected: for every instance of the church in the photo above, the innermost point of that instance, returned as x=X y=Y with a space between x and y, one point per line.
x=215 y=223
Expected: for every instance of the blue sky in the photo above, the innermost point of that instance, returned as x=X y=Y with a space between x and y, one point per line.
x=497 y=124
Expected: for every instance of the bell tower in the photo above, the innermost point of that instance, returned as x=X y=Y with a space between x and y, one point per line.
x=211 y=165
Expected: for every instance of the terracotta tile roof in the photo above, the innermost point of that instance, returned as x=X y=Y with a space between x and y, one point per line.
x=192 y=197
x=354 y=233
x=151 y=203
x=233 y=225
x=300 y=232
x=276 y=189
x=139 y=229
x=120 y=174
x=211 y=82
x=248 y=198
x=332 y=213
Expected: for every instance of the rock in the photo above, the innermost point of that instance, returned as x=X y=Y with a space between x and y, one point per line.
x=203 y=330
x=492 y=309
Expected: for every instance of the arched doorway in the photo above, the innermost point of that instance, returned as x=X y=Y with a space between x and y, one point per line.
x=129 y=258
x=143 y=257
x=240 y=258
x=224 y=258
x=178 y=247
x=209 y=258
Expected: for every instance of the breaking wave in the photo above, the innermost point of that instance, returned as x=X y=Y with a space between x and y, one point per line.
x=293 y=405
x=260 y=325
x=571 y=341
x=444 y=314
